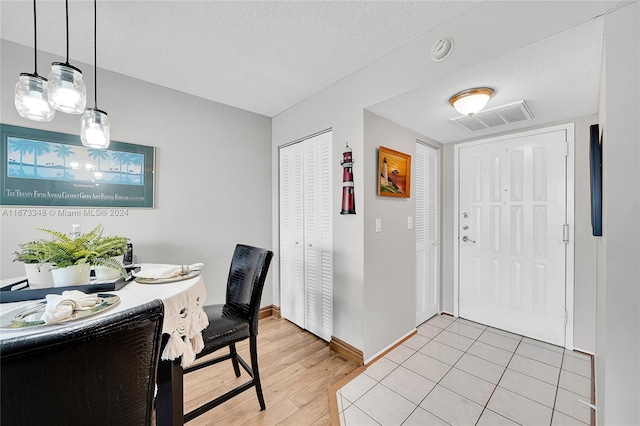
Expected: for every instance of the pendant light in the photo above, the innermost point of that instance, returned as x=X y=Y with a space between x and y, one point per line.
x=30 y=96
x=67 y=90
x=95 y=132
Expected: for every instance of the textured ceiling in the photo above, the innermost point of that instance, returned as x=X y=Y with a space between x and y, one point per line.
x=266 y=56
x=557 y=77
x=262 y=56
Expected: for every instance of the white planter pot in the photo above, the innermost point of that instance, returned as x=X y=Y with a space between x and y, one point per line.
x=104 y=273
x=71 y=275
x=39 y=275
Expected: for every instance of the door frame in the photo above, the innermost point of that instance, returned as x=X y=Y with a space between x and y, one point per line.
x=570 y=217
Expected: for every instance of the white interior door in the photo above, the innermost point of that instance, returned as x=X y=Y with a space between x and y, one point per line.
x=427 y=232
x=512 y=253
x=291 y=234
x=318 y=236
x=306 y=259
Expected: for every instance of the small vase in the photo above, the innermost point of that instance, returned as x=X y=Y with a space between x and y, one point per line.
x=105 y=273
x=39 y=275
x=71 y=275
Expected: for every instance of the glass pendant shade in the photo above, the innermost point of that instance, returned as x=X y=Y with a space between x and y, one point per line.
x=95 y=132
x=67 y=89
x=472 y=101
x=31 y=98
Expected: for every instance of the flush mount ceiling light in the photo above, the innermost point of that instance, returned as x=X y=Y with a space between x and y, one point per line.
x=30 y=96
x=67 y=90
x=471 y=101
x=95 y=132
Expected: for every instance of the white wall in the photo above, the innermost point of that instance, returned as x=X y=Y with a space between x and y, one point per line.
x=213 y=186
x=341 y=106
x=618 y=250
x=389 y=256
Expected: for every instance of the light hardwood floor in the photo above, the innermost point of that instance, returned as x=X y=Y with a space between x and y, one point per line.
x=296 y=369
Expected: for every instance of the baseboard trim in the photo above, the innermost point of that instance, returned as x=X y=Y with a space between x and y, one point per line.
x=346 y=351
x=392 y=347
x=265 y=312
x=276 y=312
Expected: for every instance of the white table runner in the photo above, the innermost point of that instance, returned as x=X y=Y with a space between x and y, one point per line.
x=184 y=317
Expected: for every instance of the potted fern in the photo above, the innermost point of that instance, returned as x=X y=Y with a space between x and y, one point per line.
x=38 y=273
x=109 y=265
x=73 y=257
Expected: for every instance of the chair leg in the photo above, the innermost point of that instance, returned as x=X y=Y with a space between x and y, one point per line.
x=253 y=348
x=234 y=359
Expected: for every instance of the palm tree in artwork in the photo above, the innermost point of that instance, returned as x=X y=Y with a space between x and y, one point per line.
x=121 y=158
x=39 y=148
x=63 y=151
x=23 y=146
x=137 y=160
x=98 y=154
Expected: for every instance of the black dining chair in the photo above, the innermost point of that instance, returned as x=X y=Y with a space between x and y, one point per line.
x=235 y=321
x=100 y=371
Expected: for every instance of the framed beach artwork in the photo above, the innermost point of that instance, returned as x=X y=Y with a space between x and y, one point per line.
x=394 y=173
x=42 y=168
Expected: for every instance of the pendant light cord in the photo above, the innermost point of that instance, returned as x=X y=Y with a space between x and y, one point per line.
x=95 y=54
x=35 y=41
x=66 y=5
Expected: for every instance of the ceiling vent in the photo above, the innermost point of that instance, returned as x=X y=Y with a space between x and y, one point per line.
x=495 y=117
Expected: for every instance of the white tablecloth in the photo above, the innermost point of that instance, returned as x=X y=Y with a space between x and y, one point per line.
x=184 y=318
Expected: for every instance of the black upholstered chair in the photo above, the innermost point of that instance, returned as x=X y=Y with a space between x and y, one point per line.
x=236 y=320
x=98 y=372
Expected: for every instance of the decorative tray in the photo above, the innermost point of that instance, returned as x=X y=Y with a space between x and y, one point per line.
x=19 y=291
x=29 y=316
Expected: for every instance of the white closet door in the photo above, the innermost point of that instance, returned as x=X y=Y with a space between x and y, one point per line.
x=427 y=232
x=286 y=234
x=291 y=234
x=306 y=235
x=318 y=239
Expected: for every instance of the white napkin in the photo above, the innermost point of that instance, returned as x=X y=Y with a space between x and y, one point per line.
x=156 y=272
x=62 y=306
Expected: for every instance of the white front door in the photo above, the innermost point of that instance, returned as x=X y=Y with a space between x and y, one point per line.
x=427 y=232
x=511 y=217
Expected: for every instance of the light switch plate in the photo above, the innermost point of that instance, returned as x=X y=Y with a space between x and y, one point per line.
x=410 y=222
x=378 y=225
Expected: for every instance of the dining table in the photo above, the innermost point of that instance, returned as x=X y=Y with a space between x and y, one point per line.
x=184 y=320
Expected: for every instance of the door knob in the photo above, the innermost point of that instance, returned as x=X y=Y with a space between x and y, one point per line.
x=465 y=227
x=467 y=240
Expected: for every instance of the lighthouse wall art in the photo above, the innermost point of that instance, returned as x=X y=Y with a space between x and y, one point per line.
x=394 y=173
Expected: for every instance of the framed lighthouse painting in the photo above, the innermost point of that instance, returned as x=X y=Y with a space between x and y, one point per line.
x=394 y=173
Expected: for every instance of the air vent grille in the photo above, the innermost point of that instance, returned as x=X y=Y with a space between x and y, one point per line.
x=495 y=117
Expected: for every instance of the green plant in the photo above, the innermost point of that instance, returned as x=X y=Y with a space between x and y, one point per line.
x=63 y=250
x=31 y=252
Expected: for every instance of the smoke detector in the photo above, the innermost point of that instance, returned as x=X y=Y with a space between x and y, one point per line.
x=442 y=49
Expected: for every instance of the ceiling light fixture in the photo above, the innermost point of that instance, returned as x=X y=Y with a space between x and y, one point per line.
x=471 y=101
x=67 y=90
x=30 y=95
x=95 y=132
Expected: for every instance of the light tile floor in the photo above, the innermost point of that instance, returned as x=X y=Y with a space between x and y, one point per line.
x=457 y=372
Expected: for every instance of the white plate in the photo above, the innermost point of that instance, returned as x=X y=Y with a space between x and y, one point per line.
x=167 y=280
x=29 y=316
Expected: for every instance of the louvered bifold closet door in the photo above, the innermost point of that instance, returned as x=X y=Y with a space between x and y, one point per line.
x=306 y=235
x=427 y=232
x=318 y=236
x=292 y=297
